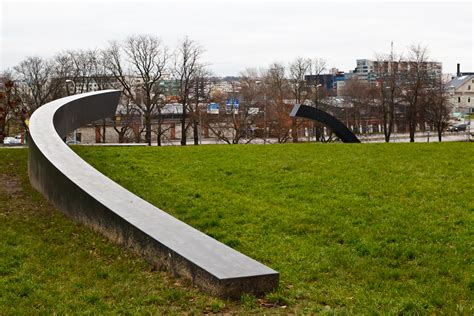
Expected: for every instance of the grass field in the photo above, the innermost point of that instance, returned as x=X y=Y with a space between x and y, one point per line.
x=49 y=265
x=368 y=228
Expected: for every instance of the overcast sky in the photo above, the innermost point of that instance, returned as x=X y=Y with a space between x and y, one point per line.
x=241 y=34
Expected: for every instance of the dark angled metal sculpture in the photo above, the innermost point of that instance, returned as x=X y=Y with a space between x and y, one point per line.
x=312 y=113
x=89 y=197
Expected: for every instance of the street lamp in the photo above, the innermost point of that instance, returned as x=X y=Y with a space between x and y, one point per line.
x=316 y=94
x=67 y=90
x=73 y=85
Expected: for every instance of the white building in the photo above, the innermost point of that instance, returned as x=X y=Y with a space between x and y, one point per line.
x=461 y=91
x=369 y=70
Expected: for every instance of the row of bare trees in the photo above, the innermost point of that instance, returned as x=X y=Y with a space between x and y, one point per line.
x=140 y=64
x=136 y=65
x=146 y=57
x=406 y=92
x=267 y=96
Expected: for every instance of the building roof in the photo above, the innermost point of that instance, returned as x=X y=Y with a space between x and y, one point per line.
x=458 y=81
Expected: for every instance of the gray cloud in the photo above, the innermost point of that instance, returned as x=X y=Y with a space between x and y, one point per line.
x=244 y=34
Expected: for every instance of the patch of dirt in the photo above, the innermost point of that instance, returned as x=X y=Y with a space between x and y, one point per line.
x=10 y=185
x=16 y=200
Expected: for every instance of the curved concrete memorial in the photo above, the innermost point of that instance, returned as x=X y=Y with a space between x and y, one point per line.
x=312 y=113
x=89 y=197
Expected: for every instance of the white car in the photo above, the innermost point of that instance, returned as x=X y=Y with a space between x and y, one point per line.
x=12 y=140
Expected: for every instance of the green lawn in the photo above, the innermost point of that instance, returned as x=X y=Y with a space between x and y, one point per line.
x=49 y=265
x=363 y=228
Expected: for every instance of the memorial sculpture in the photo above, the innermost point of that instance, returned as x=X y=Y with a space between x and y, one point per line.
x=312 y=113
x=89 y=197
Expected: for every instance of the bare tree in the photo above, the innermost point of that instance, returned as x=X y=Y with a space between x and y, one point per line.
x=250 y=86
x=415 y=82
x=63 y=73
x=9 y=101
x=250 y=94
x=278 y=111
x=78 y=68
x=317 y=93
x=298 y=69
x=234 y=125
x=4 y=108
x=438 y=107
x=36 y=84
x=389 y=86
x=100 y=79
x=359 y=98
x=147 y=58
x=86 y=68
x=99 y=70
x=318 y=65
x=199 y=97
x=125 y=121
x=186 y=64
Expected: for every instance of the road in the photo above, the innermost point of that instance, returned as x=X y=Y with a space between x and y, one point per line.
x=396 y=138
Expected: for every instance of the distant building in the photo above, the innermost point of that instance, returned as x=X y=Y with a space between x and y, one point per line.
x=169 y=87
x=365 y=70
x=370 y=70
x=461 y=91
x=334 y=81
x=225 y=87
x=325 y=80
x=340 y=78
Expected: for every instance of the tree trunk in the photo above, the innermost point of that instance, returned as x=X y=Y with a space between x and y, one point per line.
x=148 y=129
x=103 y=130
x=159 y=131
x=412 y=127
x=195 y=132
x=318 y=133
x=412 y=135
x=391 y=115
x=183 y=127
x=412 y=124
x=158 y=134
x=385 y=123
x=386 y=126
x=390 y=124
x=294 y=130
x=3 y=124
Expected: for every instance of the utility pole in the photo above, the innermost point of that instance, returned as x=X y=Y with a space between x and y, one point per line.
x=391 y=51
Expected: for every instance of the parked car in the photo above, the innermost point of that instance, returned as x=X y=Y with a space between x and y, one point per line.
x=73 y=142
x=460 y=128
x=12 y=140
x=457 y=128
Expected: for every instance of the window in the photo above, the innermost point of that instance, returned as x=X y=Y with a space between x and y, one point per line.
x=469 y=99
x=469 y=87
x=459 y=99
